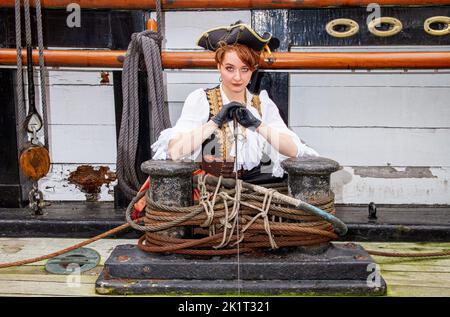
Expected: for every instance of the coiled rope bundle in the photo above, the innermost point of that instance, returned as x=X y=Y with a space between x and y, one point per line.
x=264 y=221
x=144 y=53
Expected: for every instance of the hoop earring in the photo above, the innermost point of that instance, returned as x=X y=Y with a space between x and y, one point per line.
x=220 y=78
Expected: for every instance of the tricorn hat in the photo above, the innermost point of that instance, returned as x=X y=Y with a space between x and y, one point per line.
x=237 y=33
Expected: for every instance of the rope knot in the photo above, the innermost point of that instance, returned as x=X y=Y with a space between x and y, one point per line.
x=138 y=38
x=264 y=215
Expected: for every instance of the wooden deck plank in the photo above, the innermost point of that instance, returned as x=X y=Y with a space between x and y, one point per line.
x=406 y=246
x=404 y=276
x=38 y=273
x=40 y=270
x=418 y=278
x=46 y=288
x=84 y=279
x=417 y=291
x=37 y=295
x=16 y=249
x=412 y=268
x=409 y=248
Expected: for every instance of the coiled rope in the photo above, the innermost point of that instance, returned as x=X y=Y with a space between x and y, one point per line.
x=144 y=52
x=266 y=221
x=211 y=241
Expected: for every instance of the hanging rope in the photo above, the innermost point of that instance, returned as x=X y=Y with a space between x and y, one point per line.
x=34 y=158
x=42 y=71
x=21 y=107
x=21 y=104
x=148 y=45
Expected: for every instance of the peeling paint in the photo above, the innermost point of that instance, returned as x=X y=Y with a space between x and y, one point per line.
x=90 y=179
x=392 y=172
x=11 y=247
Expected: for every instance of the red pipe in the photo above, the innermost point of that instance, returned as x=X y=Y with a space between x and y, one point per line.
x=223 y=4
x=288 y=60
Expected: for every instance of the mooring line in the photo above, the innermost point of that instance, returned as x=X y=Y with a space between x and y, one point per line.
x=236 y=202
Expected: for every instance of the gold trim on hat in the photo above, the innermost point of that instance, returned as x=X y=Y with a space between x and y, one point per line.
x=229 y=27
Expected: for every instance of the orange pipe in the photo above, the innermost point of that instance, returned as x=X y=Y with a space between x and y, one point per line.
x=222 y=4
x=288 y=60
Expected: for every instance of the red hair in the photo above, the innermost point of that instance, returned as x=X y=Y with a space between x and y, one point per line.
x=248 y=56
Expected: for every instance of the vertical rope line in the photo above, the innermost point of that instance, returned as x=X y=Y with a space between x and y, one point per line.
x=159 y=20
x=238 y=188
x=26 y=6
x=148 y=44
x=42 y=72
x=21 y=107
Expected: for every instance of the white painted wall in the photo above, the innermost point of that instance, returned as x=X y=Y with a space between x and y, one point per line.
x=358 y=118
x=378 y=119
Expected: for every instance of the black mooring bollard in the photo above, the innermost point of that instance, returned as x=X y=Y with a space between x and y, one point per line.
x=309 y=180
x=327 y=269
x=171 y=184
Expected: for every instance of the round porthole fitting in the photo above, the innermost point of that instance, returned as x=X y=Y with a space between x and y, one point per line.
x=430 y=25
x=342 y=28
x=395 y=26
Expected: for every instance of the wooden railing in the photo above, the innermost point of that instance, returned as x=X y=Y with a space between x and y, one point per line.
x=285 y=60
x=223 y=4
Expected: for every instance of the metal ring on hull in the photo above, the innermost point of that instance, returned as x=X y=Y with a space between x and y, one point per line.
x=395 y=23
x=352 y=25
x=437 y=19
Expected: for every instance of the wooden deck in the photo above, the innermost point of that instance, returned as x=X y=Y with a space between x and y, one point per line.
x=404 y=276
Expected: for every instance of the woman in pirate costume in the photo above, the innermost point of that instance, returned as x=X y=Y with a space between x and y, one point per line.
x=205 y=130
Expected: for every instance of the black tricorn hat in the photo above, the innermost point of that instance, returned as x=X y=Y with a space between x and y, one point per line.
x=237 y=33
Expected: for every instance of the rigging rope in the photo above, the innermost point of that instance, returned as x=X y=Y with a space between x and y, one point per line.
x=21 y=106
x=148 y=45
x=42 y=71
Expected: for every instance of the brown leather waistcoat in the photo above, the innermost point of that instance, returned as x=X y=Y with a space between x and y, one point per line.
x=216 y=148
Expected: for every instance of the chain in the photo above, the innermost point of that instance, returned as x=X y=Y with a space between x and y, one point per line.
x=34 y=137
x=36 y=199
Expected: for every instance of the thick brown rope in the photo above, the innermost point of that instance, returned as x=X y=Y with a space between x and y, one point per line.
x=288 y=226
x=68 y=249
x=310 y=232
x=264 y=222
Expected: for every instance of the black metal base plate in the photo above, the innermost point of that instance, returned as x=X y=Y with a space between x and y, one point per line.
x=343 y=269
x=234 y=287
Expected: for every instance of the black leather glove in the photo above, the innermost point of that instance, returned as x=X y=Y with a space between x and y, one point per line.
x=226 y=113
x=247 y=119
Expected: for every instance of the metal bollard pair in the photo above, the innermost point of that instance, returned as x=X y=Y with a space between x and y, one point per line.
x=308 y=180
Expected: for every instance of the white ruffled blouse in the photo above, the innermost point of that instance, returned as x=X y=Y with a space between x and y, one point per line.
x=251 y=148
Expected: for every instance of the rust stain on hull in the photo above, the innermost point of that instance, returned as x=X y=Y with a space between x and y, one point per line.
x=90 y=179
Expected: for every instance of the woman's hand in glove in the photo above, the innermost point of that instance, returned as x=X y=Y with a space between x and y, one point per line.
x=226 y=113
x=247 y=119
